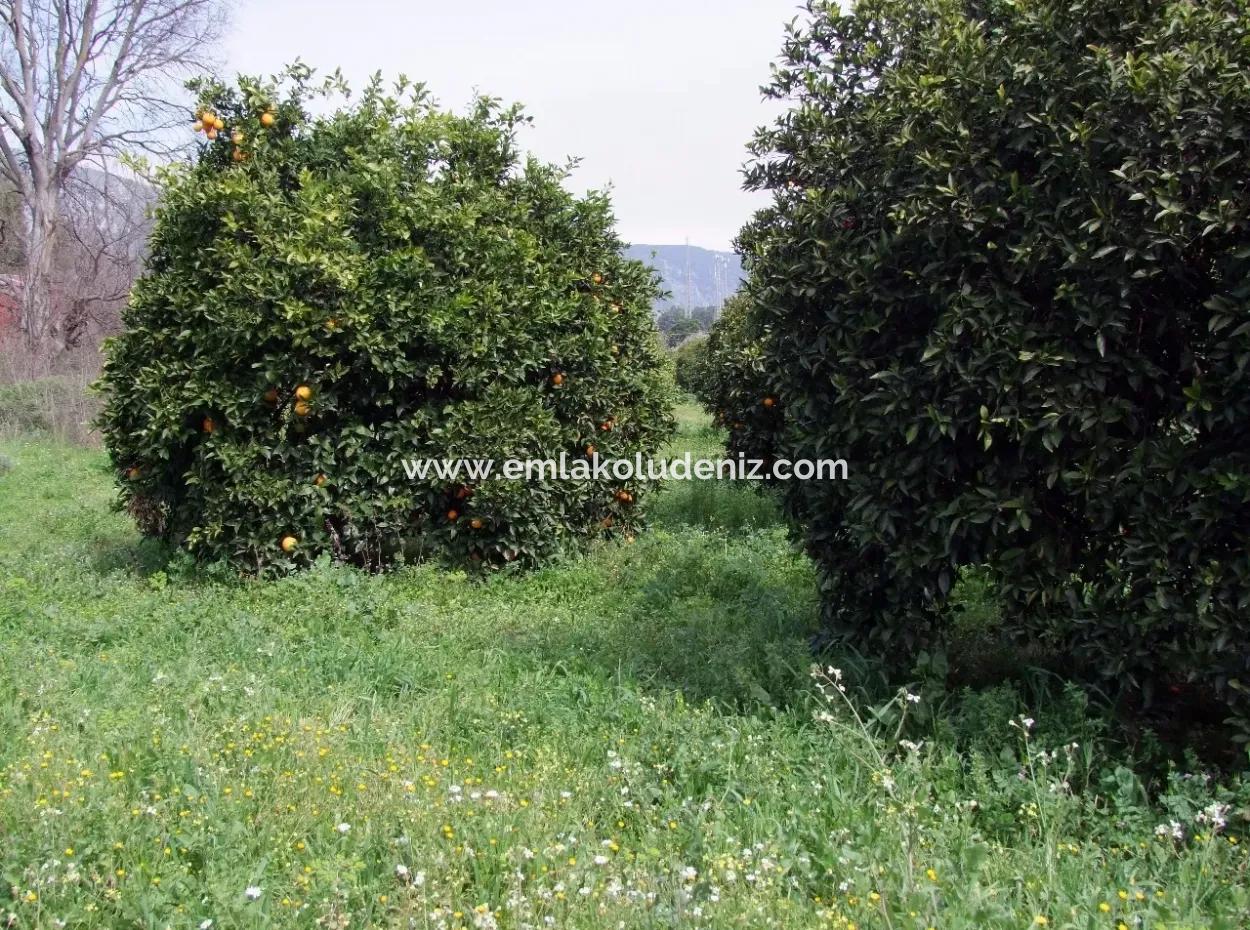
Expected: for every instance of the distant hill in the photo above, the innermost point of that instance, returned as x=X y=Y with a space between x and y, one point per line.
x=694 y=277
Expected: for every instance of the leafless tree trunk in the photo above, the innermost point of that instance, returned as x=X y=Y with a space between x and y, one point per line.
x=99 y=253
x=82 y=82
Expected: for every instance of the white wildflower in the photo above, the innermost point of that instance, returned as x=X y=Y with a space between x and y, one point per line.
x=1215 y=814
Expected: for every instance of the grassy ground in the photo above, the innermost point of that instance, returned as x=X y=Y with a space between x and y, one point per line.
x=629 y=740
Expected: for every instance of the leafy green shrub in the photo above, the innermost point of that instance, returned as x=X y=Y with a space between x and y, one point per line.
x=737 y=388
x=690 y=361
x=1006 y=274
x=328 y=297
x=24 y=405
x=58 y=405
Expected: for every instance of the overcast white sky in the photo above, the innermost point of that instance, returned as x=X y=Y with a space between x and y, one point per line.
x=658 y=97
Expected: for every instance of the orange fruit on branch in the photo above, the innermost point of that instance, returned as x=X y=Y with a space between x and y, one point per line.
x=303 y=392
x=302 y=408
x=289 y=543
x=266 y=119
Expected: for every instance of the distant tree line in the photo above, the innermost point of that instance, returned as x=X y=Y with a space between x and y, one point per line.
x=677 y=324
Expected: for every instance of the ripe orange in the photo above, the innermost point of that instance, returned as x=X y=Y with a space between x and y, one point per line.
x=302 y=408
x=198 y=125
x=463 y=492
x=557 y=379
x=236 y=137
x=289 y=543
x=208 y=425
x=624 y=496
x=590 y=450
x=769 y=401
x=596 y=278
x=132 y=473
x=238 y=155
x=270 y=396
x=476 y=523
x=303 y=392
x=266 y=119
x=452 y=515
x=212 y=134
x=217 y=123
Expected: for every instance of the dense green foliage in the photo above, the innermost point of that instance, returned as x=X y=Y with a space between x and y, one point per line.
x=327 y=297
x=1007 y=275
x=690 y=360
x=637 y=723
x=669 y=318
x=737 y=387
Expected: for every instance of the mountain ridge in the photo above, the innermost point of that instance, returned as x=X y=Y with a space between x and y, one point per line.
x=692 y=276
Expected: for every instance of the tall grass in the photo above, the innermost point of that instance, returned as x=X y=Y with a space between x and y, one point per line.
x=59 y=405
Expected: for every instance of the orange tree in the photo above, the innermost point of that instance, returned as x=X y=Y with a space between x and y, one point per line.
x=736 y=385
x=328 y=297
x=1006 y=274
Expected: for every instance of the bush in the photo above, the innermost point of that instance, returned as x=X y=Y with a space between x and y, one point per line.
x=737 y=389
x=58 y=406
x=1006 y=274
x=690 y=363
x=328 y=297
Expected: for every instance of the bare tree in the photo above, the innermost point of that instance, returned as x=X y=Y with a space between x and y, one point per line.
x=82 y=82
x=99 y=254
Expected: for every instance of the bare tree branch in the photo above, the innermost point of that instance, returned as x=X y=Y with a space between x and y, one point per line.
x=81 y=82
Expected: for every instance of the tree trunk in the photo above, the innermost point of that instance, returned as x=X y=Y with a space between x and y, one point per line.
x=37 y=323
